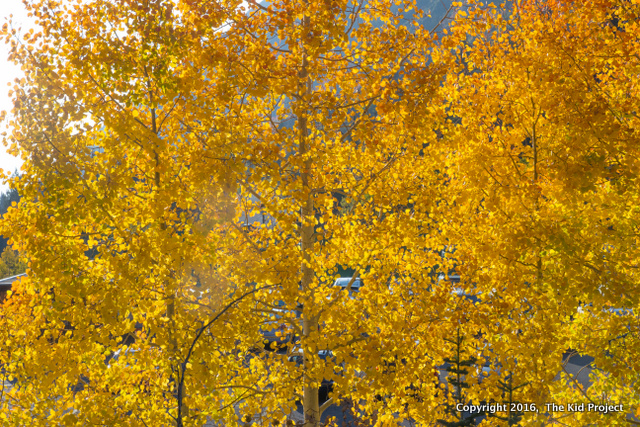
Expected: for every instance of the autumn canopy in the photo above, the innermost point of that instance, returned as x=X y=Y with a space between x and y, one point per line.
x=198 y=173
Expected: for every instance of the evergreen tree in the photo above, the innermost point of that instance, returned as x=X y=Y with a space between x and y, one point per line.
x=513 y=417
x=11 y=264
x=458 y=370
x=6 y=198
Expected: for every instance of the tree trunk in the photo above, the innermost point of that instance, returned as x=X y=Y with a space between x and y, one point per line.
x=310 y=389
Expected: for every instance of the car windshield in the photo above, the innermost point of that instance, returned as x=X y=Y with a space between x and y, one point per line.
x=343 y=282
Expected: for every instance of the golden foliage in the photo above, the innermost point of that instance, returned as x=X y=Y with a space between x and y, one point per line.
x=198 y=173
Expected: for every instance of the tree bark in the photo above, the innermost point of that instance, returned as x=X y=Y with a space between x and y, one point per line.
x=309 y=323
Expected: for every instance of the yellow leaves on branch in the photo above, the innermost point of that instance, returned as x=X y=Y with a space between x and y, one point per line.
x=198 y=175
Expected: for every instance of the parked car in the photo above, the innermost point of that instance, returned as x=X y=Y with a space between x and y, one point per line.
x=326 y=386
x=278 y=337
x=343 y=283
x=277 y=333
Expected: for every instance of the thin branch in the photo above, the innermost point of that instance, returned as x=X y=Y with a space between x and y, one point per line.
x=183 y=365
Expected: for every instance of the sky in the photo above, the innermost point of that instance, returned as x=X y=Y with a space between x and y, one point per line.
x=8 y=72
